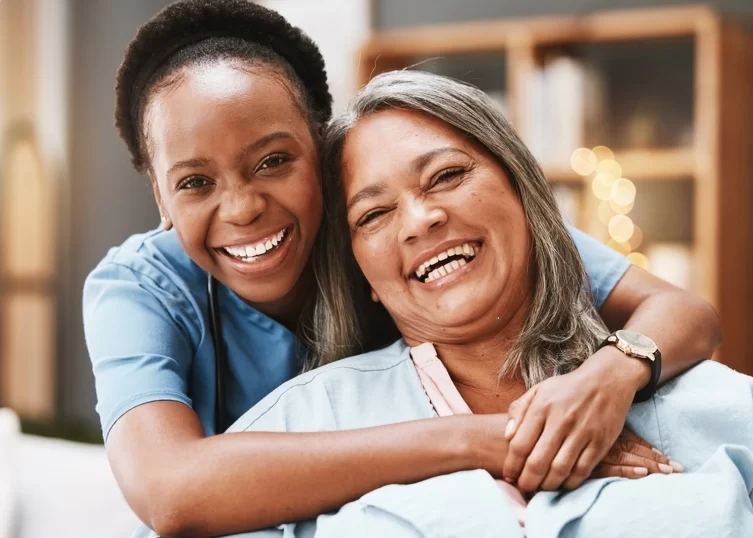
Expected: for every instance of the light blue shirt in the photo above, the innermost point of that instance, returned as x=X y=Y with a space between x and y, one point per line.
x=146 y=320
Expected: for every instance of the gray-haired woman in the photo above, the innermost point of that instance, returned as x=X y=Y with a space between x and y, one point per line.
x=456 y=233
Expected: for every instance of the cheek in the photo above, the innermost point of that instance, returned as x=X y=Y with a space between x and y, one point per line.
x=378 y=259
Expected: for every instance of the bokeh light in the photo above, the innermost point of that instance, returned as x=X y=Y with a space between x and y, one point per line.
x=622 y=248
x=636 y=239
x=620 y=228
x=583 y=161
x=603 y=153
x=618 y=209
x=609 y=166
x=605 y=212
x=622 y=192
x=602 y=186
x=638 y=259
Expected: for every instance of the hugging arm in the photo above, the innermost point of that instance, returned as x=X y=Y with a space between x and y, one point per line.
x=564 y=427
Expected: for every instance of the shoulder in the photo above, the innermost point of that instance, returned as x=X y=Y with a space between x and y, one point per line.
x=375 y=388
x=154 y=261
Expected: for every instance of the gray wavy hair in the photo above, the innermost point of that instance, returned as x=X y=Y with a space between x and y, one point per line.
x=562 y=328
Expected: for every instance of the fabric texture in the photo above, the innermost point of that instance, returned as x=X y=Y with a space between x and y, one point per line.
x=146 y=321
x=10 y=431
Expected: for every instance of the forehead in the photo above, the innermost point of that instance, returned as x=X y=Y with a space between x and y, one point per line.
x=218 y=100
x=388 y=142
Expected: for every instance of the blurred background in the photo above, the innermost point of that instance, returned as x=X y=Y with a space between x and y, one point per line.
x=640 y=112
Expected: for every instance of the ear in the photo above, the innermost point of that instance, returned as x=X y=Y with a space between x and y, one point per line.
x=167 y=223
x=374 y=296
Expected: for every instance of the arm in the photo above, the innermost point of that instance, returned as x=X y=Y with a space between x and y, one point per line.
x=565 y=426
x=182 y=484
x=685 y=327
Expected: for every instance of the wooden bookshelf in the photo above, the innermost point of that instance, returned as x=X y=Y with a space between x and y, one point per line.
x=716 y=163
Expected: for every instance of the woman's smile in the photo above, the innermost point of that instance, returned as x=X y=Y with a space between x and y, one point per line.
x=257 y=257
x=446 y=265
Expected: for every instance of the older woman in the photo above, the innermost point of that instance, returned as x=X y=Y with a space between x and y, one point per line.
x=458 y=237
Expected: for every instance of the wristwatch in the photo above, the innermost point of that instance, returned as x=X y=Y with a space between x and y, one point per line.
x=640 y=346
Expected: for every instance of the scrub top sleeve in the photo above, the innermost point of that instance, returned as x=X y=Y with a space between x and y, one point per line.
x=139 y=351
x=605 y=266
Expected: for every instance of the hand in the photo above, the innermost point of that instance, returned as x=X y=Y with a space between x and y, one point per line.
x=632 y=457
x=563 y=427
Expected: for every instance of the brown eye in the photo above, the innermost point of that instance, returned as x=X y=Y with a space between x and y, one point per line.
x=193 y=182
x=274 y=161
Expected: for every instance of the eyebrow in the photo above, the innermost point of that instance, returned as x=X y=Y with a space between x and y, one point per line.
x=422 y=161
x=367 y=192
x=254 y=146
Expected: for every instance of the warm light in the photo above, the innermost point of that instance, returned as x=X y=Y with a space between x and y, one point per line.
x=638 y=259
x=583 y=161
x=618 y=209
x=611 y=167
x=603 y=153
x=622 y=248
x=620 y=228
x=636 y=239
x=622 y=192
x=605 y=213
x=602 y=186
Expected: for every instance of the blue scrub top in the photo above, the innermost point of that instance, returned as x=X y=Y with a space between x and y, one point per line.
x=146 y=320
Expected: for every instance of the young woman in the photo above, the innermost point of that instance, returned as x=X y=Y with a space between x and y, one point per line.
x=221 y=105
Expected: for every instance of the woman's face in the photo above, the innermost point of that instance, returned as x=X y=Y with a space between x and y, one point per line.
x=236 y=171
x=436 y=227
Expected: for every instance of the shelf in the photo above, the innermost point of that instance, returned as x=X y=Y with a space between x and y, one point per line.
x=485 y=36
x=638 y=165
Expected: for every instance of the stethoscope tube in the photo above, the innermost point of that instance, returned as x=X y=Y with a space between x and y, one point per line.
x=219 y=356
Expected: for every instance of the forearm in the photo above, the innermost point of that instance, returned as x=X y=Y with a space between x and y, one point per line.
x=245 y=481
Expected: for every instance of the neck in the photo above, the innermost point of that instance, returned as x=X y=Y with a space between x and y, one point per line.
x=289 y=309
x=475 y=365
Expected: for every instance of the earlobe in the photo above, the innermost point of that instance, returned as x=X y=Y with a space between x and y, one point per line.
x=374 y=296
x=167 y=224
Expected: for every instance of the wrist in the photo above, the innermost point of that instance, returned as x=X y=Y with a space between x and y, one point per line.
x=634 y=371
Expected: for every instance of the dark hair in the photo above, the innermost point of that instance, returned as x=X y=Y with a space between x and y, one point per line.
x=195 y=31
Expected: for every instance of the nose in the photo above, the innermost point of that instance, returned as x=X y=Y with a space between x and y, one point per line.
x=418 y=218
x=242 y=204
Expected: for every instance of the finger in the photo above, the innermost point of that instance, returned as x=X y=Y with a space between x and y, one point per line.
x=583 y=467
x=636 y=460
x=604 y=470
x=658 y=462
x=563 y=463
x=517 y=411
x=654 y=453
x=522 y=444
x=538 y=463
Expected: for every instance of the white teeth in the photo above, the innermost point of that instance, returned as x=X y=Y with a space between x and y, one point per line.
x=467 y=251
x=252 y=251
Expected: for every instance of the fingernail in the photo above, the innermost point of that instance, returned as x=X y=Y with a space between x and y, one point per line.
x=657 y=450
x=510 y=428
x=666 y=469
x=678 y=467
x=640 y=471
x=508 y=480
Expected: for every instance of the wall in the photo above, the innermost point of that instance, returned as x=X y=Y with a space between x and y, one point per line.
x=397 y=13
x=108 y=200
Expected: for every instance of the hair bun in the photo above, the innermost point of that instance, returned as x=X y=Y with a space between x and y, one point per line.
x=186 y=22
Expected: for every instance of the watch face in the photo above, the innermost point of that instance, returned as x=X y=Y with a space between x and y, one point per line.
x=639 y=344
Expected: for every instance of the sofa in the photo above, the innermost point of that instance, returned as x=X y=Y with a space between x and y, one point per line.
x=50 y=488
